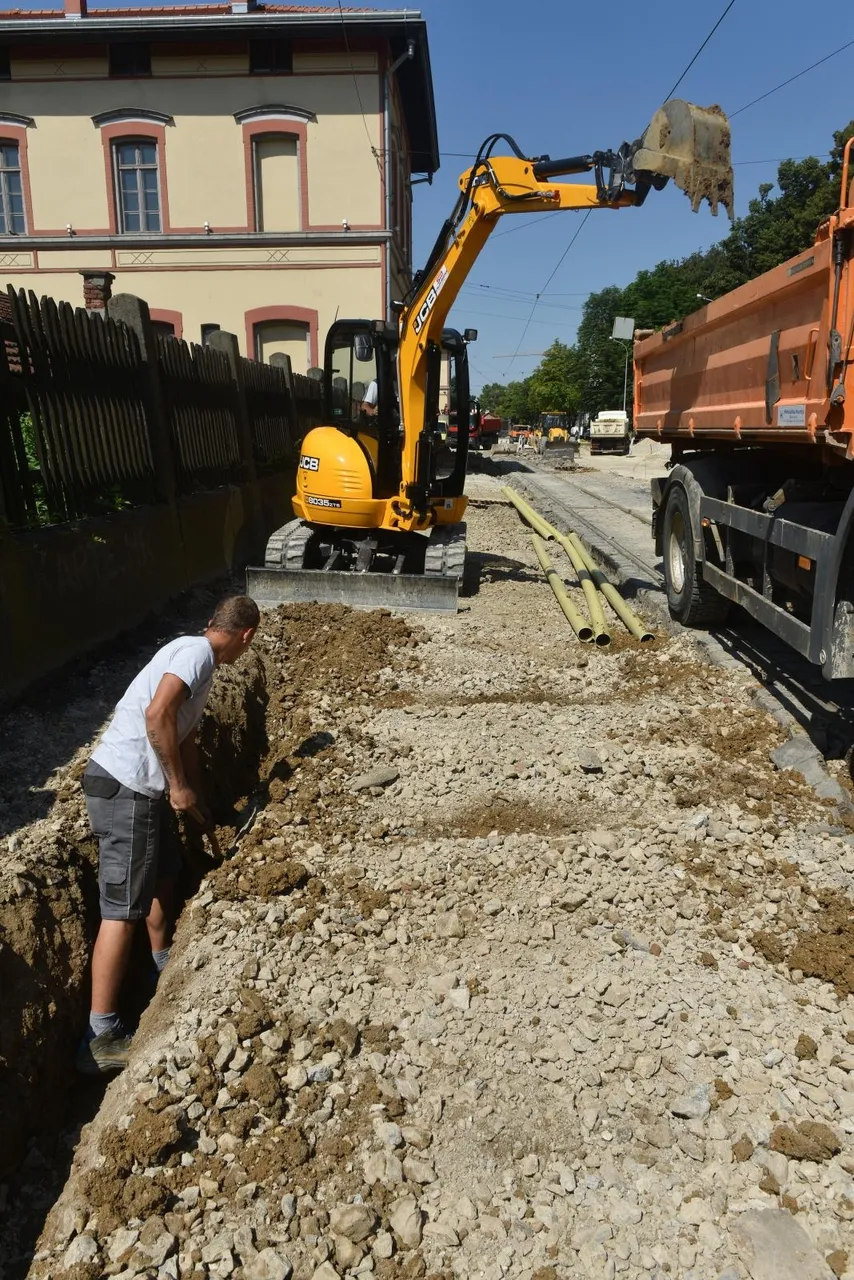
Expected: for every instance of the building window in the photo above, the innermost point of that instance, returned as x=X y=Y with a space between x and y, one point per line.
x=130 y=59
x=277 y=182
x=12 y=219
x=5 y=64
x=207 y=330
x=163 y=328
x=137 y=186
x=270 y=57
x=288 y=336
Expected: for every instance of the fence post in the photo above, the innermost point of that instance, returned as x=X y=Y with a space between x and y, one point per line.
x=226 y=344
x=132 y=312
x=283 y=361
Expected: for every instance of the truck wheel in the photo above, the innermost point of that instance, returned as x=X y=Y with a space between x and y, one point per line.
x=691 y=600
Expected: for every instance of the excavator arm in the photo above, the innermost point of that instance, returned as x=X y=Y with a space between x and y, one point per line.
x=686 y=143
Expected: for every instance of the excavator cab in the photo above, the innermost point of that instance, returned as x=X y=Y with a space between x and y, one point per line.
x=336 y=549
x=361 y=399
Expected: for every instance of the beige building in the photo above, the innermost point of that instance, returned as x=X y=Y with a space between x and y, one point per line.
x=239 y=165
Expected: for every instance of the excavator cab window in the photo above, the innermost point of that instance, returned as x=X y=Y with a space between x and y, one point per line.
x=352 y=381
x=361 y=396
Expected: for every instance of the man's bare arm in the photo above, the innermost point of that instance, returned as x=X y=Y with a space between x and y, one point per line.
x=191 y=760
x=161 y=725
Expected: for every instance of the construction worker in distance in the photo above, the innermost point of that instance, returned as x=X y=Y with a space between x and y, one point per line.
x=148 y=756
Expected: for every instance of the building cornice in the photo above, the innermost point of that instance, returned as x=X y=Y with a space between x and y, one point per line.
x=198 y=240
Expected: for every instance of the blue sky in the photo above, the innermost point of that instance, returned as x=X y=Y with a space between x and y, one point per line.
x=565 y=77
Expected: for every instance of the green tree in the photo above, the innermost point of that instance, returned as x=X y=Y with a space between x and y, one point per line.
x=601 y=362
x=509 y=400
x=556 y=381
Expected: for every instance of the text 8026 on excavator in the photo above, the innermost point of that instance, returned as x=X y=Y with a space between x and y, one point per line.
x=380 y=499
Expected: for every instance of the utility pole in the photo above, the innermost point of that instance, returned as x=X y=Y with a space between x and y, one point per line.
x=623 y=332
x=628 y=347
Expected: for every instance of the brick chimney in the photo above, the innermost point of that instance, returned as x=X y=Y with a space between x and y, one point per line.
x=75 y=8
x=97 y=290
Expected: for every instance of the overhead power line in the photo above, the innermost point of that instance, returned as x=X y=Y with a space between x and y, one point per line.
x=374 y=152
x=579 y=228
x=578 y=231
x=699 y=51
x=791 y=79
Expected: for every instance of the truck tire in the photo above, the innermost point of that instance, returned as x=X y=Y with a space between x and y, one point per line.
x=691 y=600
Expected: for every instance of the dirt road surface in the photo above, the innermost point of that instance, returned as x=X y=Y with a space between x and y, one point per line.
x=532 y=965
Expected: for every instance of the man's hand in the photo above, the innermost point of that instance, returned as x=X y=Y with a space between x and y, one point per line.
x=183 y=799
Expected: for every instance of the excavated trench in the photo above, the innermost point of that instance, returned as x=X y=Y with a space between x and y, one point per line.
x=259 y=751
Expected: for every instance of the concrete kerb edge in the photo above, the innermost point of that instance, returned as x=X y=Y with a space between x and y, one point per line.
x=806 y=759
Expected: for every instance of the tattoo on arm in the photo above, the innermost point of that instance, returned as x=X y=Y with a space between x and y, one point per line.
x=161 y=755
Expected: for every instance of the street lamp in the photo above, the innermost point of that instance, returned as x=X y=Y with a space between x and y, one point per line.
x=703 y=298
x=623 y=332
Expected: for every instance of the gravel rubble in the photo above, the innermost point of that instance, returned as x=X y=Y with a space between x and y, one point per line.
x=532 y=964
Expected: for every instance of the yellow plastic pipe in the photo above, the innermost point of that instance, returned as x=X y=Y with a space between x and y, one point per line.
x=546 y=530
x=627 y=616
x=601 y=634
x=527 y=512
x=579 y=624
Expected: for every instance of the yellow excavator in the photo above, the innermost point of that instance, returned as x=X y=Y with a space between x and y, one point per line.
x=380 y=503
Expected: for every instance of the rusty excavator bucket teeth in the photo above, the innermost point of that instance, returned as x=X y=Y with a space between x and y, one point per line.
x=691 y=145
x=403 y=591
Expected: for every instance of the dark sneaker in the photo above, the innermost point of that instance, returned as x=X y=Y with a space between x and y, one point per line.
x=107 y=1052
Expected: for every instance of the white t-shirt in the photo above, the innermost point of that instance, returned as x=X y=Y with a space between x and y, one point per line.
x=124 y=751
x=370 y=396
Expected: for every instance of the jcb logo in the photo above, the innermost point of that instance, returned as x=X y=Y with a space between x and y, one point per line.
x=426 y=307
x=307 y=463
x=430 y=301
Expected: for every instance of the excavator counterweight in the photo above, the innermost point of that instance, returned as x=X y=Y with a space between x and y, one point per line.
x=380 y=488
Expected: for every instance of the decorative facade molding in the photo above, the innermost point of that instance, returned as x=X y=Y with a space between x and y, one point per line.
x=10 y=120
x=131 y=115
x=274 y=111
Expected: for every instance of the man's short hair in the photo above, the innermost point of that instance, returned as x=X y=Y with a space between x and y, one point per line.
x=235 y=613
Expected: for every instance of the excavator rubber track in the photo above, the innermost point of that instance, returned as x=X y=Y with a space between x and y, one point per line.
x=283 y=579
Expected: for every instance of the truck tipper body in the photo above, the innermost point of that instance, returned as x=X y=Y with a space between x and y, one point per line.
x=752 y=394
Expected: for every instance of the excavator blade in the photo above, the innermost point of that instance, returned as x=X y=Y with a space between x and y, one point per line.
x=691 y=145
x=402 y=591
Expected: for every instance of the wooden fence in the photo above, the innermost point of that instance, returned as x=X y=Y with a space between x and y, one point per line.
x=98 y=414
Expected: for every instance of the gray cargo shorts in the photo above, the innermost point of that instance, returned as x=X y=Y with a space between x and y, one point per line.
x=136 y=850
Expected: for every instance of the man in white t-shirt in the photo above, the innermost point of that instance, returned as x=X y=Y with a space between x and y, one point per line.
x=147 y=753
x=369 y=400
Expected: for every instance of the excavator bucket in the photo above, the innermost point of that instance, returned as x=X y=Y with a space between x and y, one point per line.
x=691 y=145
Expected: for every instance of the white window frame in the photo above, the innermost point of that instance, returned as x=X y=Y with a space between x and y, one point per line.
x=5 y=170
x=256 y=174
x=118 y=169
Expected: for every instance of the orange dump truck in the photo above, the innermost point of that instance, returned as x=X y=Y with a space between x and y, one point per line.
x=751 y=392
